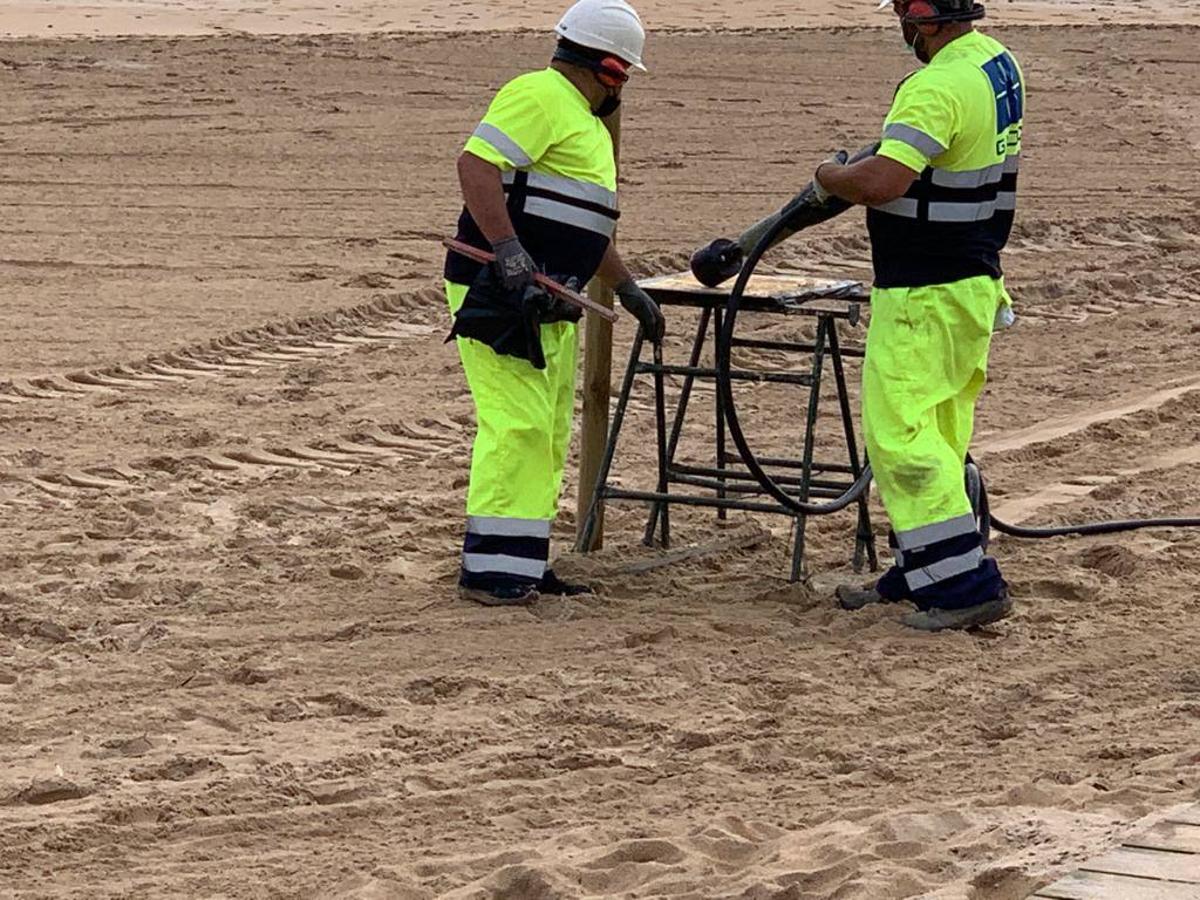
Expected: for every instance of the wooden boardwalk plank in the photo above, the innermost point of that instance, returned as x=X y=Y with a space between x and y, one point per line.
x=1161 y=862
x=1098 y=886
x=1176 y=836
x=1148 y=864
x=1188 y=816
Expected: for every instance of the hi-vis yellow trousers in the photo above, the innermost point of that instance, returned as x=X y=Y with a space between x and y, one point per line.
x=524 y=418
x=926 y=363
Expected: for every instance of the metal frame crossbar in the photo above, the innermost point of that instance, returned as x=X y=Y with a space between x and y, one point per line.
x=728 y=483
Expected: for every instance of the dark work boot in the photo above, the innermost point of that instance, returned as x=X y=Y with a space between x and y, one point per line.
x=553 y=586
x=937 y=619
x=496 y=590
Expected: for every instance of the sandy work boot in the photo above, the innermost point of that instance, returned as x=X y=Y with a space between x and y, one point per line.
x=890 y=588
x=961 y=619
x=851 y=597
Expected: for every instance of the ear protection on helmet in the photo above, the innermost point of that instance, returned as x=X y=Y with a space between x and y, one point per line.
x=931 y=12
x=612 y=72
x=920 y=9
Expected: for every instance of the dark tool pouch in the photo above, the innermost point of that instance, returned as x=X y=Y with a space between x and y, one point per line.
x=507 y=321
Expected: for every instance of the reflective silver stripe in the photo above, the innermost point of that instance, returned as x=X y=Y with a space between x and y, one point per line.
x=898 y=554
x=972 y=178
x=907 y=208
x=904 y=206
x=578 y=190
x=505 y=565
x=508 y=148
x=570 y=215
x=569 y=187
x=932 y=534
x=1012 y=164
x=943 y=570
x=502 y=527
x=962 y=212
x=915 y=138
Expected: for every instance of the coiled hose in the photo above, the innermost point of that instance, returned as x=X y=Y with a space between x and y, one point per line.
x=974 y=478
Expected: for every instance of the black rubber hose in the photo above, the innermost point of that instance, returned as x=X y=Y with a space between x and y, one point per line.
x=856 y=490
x=725 y=386
x=1091 y=528
x=1088 y=529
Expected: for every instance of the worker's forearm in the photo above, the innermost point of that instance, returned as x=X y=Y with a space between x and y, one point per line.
x=612 y=269
x=483 y=193
x=851 y=183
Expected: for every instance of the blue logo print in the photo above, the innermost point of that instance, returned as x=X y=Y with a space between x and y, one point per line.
x=1010 y=94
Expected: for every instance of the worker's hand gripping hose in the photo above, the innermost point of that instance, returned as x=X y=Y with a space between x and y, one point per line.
x=723 y=258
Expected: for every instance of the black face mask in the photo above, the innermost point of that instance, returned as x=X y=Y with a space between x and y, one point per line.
x=607 y=106
x=916 y=41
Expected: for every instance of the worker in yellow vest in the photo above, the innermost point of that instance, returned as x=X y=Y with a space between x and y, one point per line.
x=539 y=181
x=940 y=194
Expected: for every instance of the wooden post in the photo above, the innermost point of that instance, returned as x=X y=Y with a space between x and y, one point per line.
x=597 y=381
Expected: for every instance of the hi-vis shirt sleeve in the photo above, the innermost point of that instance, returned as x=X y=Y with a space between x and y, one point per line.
x=516 y=131
x=922 y=124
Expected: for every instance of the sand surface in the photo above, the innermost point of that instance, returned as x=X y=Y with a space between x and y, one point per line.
x=234 y=455
x=167 y=17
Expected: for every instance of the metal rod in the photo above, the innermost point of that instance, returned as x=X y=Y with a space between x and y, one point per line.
x=784 y=463
x=690 y=500
x=685 y=396
x=587 y=533
x=736 y=375
x=739 y=475
x=573 y=297
x=788 y=346
x=738 y=488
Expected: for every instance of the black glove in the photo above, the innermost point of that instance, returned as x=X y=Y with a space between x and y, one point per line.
x=719 y=261
x=513 y=265
x=643 y=308
x=556 y=309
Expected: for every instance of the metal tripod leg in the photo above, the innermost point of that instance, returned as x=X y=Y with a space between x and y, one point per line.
x=814 y=398
x=588 y=532
x=685 y=396
x=865 y=538
x=722 y=514
x=660 y=423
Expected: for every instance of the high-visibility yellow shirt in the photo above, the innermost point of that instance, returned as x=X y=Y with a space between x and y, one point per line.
x=957 y=122
x=560 y=176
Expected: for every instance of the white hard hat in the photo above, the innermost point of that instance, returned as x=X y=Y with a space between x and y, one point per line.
x=609 y=25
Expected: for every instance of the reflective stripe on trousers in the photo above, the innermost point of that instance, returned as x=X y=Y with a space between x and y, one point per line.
x=950 y=572
x=523 y=418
